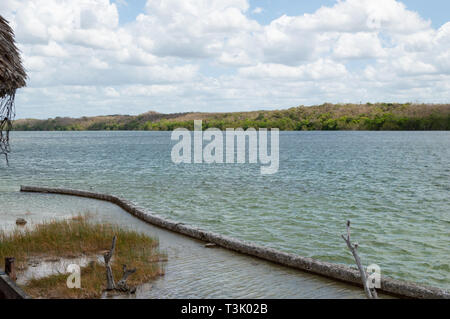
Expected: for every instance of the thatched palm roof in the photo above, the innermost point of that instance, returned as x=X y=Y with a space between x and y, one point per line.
x=12 y=77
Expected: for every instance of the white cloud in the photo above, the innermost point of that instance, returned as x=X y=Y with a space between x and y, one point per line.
x=238 y=58
x=192 y=28
x=211 y=55
x=257 y=10
x=362 y=16
x=318 y=70
x=359 y=45
x=111 y=92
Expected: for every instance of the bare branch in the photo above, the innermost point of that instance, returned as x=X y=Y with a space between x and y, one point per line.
x=110 y=284
x=122 y=284
x=353 y=249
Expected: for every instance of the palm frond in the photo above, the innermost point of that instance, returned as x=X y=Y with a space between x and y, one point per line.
x=12 y=77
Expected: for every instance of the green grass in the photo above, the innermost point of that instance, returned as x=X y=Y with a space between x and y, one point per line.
x=76 y=237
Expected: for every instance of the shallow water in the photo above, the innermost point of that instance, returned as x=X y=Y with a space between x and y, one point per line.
x=41 y=268
x=394 y=186
x=192 y=271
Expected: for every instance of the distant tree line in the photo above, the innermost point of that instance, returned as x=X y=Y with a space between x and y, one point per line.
x=373 y=117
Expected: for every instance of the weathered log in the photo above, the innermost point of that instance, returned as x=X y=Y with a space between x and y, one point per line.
x=122 y=284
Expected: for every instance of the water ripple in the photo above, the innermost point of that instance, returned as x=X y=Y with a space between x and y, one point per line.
x=394 y=186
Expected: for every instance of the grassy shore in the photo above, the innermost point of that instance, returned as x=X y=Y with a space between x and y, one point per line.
x=79 y=237
x=380 y=116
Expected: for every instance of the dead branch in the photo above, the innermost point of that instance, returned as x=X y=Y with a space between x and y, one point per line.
x=122 y=285
x=110 y=284
x=370 y=293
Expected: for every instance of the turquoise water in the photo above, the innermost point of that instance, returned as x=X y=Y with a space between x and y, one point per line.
x=393 y=186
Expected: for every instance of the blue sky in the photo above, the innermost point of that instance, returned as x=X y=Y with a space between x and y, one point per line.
x=435 y=10
x=97 y=57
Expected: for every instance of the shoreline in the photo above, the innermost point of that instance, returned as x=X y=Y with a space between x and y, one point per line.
x=337 y=272
x=325 y=117
x=46 y=253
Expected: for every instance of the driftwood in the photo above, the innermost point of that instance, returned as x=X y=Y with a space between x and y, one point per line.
x=110 y=284
x=122 y=285
x=370 y=292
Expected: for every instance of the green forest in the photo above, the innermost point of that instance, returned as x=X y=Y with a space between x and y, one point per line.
x=372 y=117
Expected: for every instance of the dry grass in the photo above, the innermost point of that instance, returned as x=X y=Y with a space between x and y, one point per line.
x=77 y=237
x=12 y=73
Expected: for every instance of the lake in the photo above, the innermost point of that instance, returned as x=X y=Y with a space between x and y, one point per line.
x=393 y=186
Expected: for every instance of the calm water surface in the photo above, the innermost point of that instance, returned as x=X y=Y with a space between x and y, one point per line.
x=393 y=186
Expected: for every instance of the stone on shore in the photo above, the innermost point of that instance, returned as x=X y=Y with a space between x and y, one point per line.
x=21 y=222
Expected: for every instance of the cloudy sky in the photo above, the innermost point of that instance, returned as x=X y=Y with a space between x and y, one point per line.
x=93 y=57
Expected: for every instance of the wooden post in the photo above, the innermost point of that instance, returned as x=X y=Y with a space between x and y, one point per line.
x=10 y=268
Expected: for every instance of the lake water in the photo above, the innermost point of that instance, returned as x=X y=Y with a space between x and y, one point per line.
x=393 y=186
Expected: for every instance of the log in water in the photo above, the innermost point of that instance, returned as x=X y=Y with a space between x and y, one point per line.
x=330 y=270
